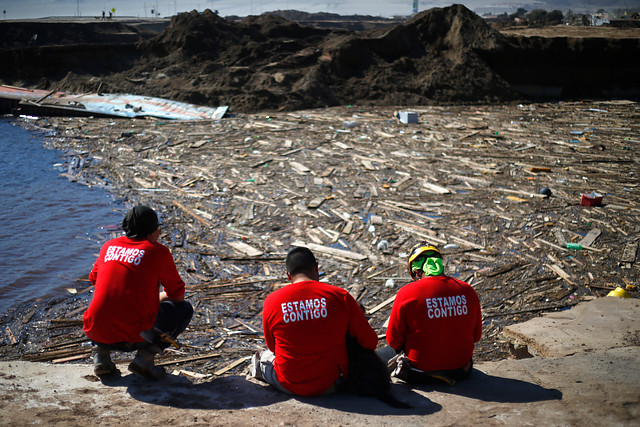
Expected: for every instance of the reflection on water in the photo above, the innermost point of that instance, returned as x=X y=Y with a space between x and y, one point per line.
x=50 y=228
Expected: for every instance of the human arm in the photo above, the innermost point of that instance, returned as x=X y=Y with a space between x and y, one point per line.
x=266 y=325
x=93 y=275
x=397 y=326
x=359 y=326
x=477 y=331
x=172 y=284
x=165 y=297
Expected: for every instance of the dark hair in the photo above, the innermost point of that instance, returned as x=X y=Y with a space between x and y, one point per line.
x=139 y=222
x=300 y=260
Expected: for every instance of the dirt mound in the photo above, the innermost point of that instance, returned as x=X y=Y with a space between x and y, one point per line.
x=268 y=62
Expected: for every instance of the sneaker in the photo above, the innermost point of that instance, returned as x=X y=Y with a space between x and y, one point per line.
x=402 y=367
x=144 y=367
x=254 y=366
x=102 y=364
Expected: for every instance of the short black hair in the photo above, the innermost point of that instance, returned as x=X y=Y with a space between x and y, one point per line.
x=300 y=260
x=139 y=222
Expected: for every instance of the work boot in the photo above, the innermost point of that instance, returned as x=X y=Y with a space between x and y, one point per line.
x=102 y=364
x=143 y=365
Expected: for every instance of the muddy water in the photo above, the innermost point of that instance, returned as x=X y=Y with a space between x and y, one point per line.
x=50 y=228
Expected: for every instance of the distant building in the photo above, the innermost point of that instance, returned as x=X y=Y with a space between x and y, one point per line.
x=599 y=19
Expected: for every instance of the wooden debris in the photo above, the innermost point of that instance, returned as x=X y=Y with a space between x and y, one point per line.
x=232 y=365
x=236 y=194
x=12 y=339
x=629 y=254
x=342 y=253
x=187 y=359
x=591 y=237
x=560 y=272
x=245 y=248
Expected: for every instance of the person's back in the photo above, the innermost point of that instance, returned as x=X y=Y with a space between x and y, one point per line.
x=306 y=323
x=126 y=276
x=434 y=323
x=138 y=303
x=305 y=326
x=436 y=320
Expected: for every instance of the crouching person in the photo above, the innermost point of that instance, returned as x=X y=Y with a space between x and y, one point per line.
x=305 y=327
x=138 y=303
x=435 y=322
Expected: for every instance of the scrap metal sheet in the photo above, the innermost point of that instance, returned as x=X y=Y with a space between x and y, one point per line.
x=118 y=105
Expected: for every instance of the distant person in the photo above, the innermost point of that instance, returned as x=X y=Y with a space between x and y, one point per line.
x=435 y=322
x=103 y=14
x=138 y=300
x=306 y=324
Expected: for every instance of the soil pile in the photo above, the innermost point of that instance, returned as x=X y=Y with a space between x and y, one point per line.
x=268 y=62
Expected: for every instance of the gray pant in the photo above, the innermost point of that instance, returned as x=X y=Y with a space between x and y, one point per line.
x=262 y=368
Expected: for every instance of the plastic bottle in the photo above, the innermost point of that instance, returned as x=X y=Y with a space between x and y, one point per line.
x=575 y=246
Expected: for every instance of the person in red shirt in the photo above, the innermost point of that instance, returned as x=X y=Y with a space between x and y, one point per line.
x=435 y=322
x=138 y=302
x=305 y=328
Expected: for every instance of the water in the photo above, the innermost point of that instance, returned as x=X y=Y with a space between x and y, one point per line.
x=51 y=229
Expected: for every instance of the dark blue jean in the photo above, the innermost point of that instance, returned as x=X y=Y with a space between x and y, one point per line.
x=172 y=319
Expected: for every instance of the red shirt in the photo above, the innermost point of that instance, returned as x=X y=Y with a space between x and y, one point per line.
x=127 y=276
x=436 y=320
x=305 y=325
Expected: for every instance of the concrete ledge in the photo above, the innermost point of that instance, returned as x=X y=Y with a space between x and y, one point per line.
x=600 y=324
x=598 y=384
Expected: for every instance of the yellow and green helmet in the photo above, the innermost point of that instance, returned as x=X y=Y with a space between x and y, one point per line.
x=419 y=254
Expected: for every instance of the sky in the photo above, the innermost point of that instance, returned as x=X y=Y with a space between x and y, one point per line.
x=25 y=9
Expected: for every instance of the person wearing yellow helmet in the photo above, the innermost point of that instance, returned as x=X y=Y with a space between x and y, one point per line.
x=434 y=324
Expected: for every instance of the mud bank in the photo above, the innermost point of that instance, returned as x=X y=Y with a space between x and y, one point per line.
x=442 y=55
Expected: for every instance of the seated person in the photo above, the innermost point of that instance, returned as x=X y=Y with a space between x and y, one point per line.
x=305 y=327
x=129 y=310
x=435 y=322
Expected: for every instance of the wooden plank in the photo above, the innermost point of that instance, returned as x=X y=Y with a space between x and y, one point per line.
x=560 y=272
x=193 y=214
x=200 y=143
x=562 y=241
x=552 y=245
x=72 y=358
x=348 y=228
x=232 y=365
x=591 y=236
x=316 y=202
x=401 y=181
x=368 y=165
x=187 y=359
x=299 y=167
x=629 y=252
x=244 y=248
x=435 y=188
x=466 y=242
x=332 y=251
x=382 y=305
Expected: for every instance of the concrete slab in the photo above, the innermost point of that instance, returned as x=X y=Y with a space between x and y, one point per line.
x=603 y=323
x=600 y=386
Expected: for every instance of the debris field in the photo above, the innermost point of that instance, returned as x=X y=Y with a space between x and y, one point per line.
x=504 y=190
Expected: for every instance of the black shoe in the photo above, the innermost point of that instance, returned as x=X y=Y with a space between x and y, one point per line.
x=102 y=364
x=144 y=367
